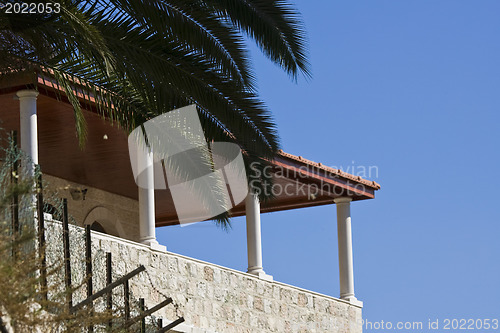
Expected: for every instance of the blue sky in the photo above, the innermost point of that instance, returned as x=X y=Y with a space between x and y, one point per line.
x=411 y=87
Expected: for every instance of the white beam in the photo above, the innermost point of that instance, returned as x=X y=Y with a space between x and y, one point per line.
x=346 y=272
x=28 y=126
x=254 y=241
x=147 y=217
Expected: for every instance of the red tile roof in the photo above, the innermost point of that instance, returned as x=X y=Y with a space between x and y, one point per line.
x=334 y=171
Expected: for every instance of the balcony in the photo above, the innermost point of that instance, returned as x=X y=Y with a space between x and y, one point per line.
x=211 y=298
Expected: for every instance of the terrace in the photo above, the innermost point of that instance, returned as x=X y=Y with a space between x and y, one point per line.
x=211 y=298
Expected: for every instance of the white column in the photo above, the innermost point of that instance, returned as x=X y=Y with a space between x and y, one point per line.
x=147 y=226
x=254 y=242
x=346 y=273
x=28 y=125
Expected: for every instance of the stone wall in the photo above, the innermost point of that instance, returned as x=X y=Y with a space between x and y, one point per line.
x=212 y=298
x=117 y=214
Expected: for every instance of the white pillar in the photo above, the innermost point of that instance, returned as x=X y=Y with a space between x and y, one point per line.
x=147 y=226
x=346 y=273
x=254 y=242
x=28 y=125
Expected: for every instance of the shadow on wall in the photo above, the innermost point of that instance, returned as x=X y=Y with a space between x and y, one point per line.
x=103 y=220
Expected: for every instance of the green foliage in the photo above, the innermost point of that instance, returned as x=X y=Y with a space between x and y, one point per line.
x=138 y=59
x=132 y=60
x=24 y=306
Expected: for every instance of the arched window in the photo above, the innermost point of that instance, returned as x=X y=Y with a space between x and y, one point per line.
x=96 y=226
x=50 y=209
x=103 y=220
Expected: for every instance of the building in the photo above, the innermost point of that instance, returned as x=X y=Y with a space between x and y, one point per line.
x=211 y=298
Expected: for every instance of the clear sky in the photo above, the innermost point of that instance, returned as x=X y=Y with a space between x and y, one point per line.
x=413 y=88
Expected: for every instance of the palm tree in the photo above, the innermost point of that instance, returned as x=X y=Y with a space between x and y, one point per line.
x=141 y=58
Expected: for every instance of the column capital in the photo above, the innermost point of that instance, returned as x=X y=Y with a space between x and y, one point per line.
x=342 y=200
x=27 y=93
x=252 y=193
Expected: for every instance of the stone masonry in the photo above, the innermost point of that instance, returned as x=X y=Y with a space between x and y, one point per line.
x=212 y=298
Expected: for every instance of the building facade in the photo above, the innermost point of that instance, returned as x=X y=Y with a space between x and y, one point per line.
x=98 y=184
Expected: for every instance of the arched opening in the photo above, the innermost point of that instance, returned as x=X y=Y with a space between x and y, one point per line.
x=103 y=220
x=50 y=209
x=96 y=226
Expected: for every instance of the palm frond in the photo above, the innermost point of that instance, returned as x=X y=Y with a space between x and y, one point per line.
x=133 y=60
x=274 y=25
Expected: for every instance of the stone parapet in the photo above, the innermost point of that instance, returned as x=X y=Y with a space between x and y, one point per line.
x=212 y=298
